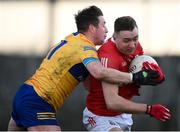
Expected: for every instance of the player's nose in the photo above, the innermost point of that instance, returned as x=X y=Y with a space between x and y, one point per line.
x=132 y=44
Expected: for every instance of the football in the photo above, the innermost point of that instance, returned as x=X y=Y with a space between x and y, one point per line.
x=137 y=63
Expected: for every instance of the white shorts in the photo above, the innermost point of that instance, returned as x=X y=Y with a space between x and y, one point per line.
x=94 y=122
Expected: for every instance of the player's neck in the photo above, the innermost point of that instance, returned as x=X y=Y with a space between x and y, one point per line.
x=89 y=37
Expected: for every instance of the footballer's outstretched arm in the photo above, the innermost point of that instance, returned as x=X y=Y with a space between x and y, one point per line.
x=108 y=74
x=145 y=77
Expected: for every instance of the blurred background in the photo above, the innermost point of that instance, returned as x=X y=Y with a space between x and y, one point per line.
x=28 y=28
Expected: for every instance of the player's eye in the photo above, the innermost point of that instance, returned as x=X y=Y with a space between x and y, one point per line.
x=126 y=40
x=135 y=39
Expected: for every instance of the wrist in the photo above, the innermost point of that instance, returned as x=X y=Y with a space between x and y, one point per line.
x=148 y=109
x=131 y=77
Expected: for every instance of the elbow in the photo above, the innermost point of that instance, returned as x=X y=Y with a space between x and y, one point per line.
x=115 y=106
x=111 y=106
x=99 y=74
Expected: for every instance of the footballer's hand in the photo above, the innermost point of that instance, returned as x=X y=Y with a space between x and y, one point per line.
x=159 y=112
x=155 y=67
x=146 y=77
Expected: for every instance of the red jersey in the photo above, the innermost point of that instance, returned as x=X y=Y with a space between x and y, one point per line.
x=111 y=57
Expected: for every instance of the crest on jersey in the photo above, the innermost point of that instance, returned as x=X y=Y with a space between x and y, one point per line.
x=124 y=63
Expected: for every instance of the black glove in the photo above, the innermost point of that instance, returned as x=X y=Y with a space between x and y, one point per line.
x=146 y=77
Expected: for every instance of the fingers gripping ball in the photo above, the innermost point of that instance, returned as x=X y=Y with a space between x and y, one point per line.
x=145 y=77
x=137 y=63
x=146 y=62
x=154 y=67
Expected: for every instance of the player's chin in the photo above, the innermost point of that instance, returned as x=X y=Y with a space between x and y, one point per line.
x=128 y=52
x=100 y=42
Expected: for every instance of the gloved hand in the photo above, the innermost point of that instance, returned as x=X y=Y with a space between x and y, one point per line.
x=155 y=67
x=159 y=112
x=146 y=77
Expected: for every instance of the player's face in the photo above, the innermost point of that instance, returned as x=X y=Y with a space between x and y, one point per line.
x=100 y=33
x=126 y=41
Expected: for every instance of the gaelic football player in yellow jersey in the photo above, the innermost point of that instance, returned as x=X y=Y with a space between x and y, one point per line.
x=66 y=64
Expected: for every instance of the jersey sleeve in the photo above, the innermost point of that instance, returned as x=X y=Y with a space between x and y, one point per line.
x=88 y=54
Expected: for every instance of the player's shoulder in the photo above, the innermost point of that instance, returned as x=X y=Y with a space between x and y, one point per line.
x=77 y=40
x=108 y=50
x=108 y=46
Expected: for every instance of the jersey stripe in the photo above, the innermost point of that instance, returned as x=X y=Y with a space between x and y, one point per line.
x=75 y=33
x=104 y=61
x=56 y=48
x=88 y=60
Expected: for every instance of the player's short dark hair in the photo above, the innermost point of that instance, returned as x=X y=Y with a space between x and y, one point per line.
x=86 y=17
x=124 y=23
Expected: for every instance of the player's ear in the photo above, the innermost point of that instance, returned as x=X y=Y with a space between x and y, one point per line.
x=114 y=36
x=92 y=28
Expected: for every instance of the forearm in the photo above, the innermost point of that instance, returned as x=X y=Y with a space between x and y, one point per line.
x=120 y=104
x=114 y=76
x=117 y=103
x=158 y=111
x=130 y=107
x=108 y=74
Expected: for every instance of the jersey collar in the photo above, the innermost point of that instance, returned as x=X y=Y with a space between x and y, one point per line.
x=86 y=39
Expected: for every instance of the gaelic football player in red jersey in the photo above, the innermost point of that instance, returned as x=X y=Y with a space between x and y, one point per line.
x=108 y=105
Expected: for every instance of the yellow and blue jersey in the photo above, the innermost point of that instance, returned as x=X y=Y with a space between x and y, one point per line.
x=63 y=68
